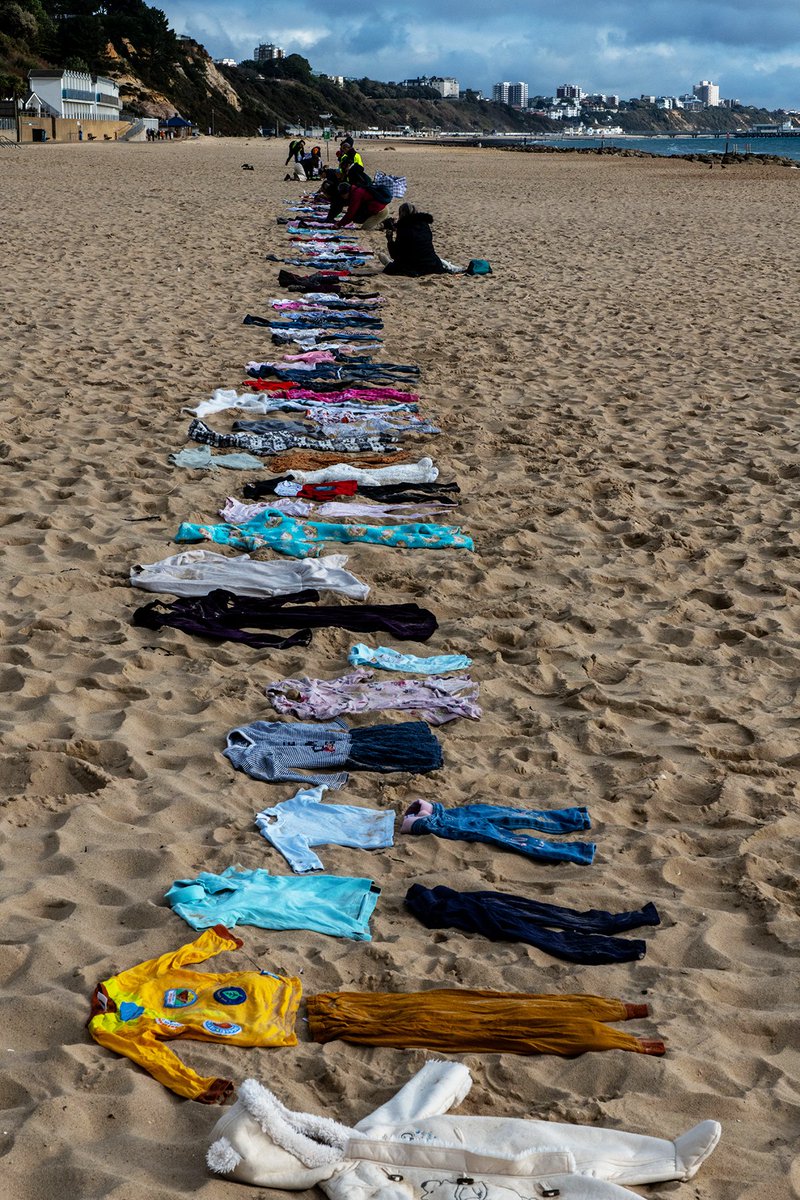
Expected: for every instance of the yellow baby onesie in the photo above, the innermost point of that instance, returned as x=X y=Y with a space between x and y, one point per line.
x=139 y=1010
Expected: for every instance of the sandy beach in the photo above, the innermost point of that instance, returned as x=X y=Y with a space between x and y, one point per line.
x=618 y=403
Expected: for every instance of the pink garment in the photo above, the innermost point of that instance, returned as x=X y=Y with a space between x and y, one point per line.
x=236 y=512
x=377 y=395
x=311 y=356
x=435 y=698
x=420 y=808
x=315 y=300
x=384 y=512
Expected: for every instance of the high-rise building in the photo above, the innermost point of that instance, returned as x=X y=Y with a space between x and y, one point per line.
x=518 y=95
x=500 y=92
x=569 y=91
x=707 y=93
x=266 y=52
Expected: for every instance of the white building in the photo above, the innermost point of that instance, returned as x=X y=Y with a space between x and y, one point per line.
x=445 y=85
x=518 y=95
x=563 y=111
x=266 y=52
x=500 y=92
x=224 y=62
x=569 y=91
x=707 y=93
x=76 y=95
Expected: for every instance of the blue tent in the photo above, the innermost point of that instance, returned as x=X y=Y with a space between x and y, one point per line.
x=177 y=122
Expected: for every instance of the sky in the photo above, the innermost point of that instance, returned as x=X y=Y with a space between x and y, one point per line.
x=626 y=47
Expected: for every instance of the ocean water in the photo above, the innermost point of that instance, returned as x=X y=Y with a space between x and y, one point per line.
x=784 y=147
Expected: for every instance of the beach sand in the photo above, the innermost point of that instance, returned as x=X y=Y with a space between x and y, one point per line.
x=619 y=405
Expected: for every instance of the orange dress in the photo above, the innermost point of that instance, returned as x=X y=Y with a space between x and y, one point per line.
x=461 y=1020
x=137 y=1012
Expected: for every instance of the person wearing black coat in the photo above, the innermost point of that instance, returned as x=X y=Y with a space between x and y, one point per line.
x=409 y=242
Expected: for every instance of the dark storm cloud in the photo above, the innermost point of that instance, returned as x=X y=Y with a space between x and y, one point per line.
x=624 y=46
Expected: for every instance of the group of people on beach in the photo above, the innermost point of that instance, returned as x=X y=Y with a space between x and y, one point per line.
x=355 y=198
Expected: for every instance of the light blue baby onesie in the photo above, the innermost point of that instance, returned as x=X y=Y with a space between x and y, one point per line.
x=338 y=905
x=391 y=660
x=295 y=825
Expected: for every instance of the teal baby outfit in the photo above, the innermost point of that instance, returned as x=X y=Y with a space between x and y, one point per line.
x=305 y=539
x=335 y=904
x=392 y=660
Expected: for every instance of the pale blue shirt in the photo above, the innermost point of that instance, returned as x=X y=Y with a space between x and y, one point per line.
x=297 y=824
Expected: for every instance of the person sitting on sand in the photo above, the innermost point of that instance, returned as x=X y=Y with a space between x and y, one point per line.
x=311 y=163
x=363 y=208
x=409 y=243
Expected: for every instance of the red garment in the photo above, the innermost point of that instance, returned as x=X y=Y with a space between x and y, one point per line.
x=324 y=491
x=269 y=385
x=363 y=203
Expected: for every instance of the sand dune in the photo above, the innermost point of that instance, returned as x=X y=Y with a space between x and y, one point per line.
x=619 y=405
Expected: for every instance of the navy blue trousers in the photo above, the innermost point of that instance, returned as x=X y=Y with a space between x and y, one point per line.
x=579 y=937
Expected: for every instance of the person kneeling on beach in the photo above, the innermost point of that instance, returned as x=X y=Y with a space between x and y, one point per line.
x=409 y=243
x=363 y=208
x=311 y=163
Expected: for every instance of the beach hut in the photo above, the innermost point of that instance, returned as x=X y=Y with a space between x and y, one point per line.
x=177 y=126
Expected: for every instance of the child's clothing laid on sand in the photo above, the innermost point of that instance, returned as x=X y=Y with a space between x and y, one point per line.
x=138 y=1011
x=408 y=1149
x=332 y=904
x=294 y=825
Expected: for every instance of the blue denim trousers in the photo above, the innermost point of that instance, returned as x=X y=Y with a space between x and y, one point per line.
x=499 y=826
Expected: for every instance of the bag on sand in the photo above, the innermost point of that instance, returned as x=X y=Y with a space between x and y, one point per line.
x=479 y=266
x=381 y=191
x=396 y=184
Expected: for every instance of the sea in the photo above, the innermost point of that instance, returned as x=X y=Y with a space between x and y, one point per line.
x=783 y=147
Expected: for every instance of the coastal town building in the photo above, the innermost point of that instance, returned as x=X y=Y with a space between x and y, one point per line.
x=225 y=62
x=569 y=91
x=561 y=110
x=501 y=92
x=445 y=85
x=76 y=95
x=518 y=95
x=707 y=93
x=267 y=52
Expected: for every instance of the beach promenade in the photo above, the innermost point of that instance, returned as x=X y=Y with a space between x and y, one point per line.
x=619 y=404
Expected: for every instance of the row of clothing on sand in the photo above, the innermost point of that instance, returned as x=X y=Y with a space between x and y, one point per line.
x=142 y=1012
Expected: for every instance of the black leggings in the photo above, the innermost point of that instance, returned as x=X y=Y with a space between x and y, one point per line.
x=228 y=618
